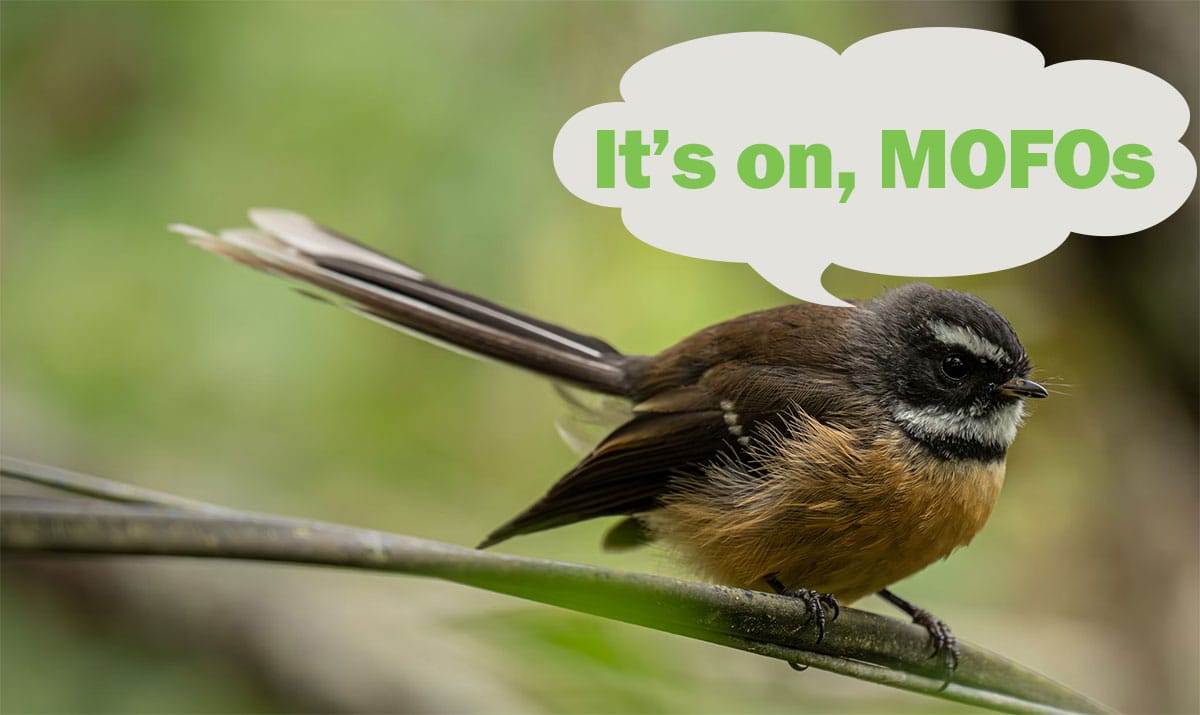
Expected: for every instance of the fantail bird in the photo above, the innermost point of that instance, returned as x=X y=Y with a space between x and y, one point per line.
x=823 y=452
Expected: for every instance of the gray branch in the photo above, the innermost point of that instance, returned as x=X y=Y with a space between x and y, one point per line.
x=121 y=519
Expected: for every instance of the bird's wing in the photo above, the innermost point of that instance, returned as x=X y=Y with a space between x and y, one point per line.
x=670 y=438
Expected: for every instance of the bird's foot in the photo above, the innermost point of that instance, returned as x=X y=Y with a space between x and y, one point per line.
x=941 y=640
x=814 y=602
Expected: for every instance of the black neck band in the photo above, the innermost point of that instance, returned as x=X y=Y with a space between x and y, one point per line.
x=948 y=447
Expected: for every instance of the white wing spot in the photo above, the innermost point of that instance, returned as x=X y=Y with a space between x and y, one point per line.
x=732 y=419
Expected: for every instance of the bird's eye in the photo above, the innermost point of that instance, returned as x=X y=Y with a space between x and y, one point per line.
x=955 y=367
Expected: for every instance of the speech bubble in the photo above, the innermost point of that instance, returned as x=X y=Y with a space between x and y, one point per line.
x=920 y=152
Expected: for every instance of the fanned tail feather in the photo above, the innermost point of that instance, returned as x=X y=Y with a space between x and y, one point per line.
x=367 y=282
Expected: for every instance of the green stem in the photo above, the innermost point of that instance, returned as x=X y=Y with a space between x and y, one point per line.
x=860 y=644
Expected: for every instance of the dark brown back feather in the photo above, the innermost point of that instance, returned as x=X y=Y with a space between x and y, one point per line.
x=780 y=360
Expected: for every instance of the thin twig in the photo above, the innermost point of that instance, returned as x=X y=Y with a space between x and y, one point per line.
x=134 y=521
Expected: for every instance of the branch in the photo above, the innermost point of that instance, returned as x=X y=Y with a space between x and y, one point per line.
x=124 y=519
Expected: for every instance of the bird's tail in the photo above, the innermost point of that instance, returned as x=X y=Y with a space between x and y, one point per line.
x=369 y=283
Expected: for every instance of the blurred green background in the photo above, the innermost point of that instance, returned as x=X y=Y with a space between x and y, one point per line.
x=425 y=130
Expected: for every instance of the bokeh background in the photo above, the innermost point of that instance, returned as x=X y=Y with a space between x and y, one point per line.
x=425 y=129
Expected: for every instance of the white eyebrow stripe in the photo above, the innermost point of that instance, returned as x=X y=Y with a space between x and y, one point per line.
x=967 y=339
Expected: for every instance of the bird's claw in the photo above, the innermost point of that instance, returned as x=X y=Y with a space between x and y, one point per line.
x=941 y=640
x=816 y=603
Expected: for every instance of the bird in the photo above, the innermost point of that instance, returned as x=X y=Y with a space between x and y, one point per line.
x=820 y=452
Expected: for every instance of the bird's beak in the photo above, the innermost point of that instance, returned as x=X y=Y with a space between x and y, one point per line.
x=1020 y=387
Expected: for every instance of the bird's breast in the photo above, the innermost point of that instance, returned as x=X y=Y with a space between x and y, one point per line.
x=830 y=509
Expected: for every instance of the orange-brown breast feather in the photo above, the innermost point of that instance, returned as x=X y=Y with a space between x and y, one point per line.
x=829 y=508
